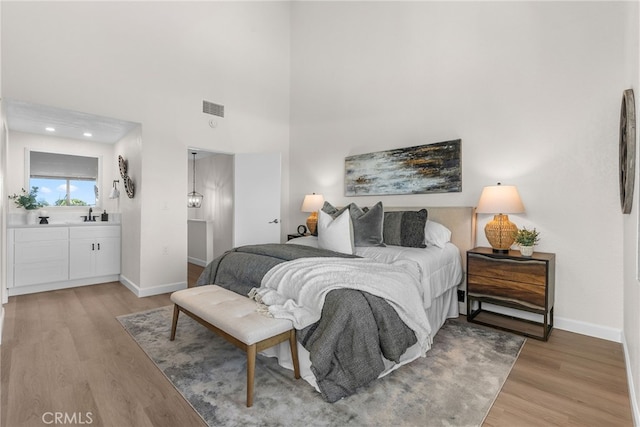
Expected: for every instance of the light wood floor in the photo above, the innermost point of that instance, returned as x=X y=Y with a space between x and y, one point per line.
x=64 y=351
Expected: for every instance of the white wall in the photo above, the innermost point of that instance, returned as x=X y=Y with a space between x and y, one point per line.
x=153 y=63
x=3 y=219
x=130 y=148
x=630 y=224
x=532 y=88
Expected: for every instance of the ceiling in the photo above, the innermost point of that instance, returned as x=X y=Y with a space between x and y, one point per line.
x=34 y=118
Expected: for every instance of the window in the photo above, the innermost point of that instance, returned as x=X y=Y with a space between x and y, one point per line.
x=63 y=179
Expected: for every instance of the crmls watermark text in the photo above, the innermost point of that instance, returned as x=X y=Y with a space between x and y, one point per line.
x=61 y=418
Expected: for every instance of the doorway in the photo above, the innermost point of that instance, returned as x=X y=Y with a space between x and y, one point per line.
x=240 y=205
x=210 y=227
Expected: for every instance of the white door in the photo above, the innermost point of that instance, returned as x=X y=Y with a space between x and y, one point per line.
x=257 y=192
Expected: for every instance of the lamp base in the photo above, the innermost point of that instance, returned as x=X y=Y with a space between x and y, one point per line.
x=500 y=233
x=500 y=251
x=312 y=222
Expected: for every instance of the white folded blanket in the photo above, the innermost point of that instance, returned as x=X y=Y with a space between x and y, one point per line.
x=295 y=290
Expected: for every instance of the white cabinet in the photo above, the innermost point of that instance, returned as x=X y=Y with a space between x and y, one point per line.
x=44 y=258
x=40 y=255
x=94 y=251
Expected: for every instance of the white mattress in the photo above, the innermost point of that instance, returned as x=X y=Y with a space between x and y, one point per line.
x=441 y=271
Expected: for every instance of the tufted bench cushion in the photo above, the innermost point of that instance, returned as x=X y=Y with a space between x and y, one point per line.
x=234 y=317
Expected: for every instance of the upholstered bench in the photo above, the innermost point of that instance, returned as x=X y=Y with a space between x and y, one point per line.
x=234 y=318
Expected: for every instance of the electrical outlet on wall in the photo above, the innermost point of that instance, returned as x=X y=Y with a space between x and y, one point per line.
x=461 y=295
x=462 y=301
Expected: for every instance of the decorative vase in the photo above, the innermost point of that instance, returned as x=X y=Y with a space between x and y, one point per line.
x=526 y=250
x=31 y=217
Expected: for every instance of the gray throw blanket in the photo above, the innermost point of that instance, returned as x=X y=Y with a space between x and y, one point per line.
x=355 y=331
x=346 y=343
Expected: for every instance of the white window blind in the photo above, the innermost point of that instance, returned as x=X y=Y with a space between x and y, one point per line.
x=51 y=165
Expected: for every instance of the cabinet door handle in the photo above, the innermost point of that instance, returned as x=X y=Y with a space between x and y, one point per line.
x=93 y=246
x=98 y=246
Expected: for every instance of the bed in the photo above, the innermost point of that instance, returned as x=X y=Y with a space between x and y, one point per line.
x=438 y=272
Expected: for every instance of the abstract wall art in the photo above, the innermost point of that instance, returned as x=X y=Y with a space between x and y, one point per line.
x=423 y=169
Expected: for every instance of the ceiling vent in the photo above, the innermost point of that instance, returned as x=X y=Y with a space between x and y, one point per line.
x=213 y=109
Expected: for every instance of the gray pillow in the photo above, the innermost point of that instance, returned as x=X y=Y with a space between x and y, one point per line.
x=367 y=225
x=328 y=208
x=405 y=228
x=332 y=210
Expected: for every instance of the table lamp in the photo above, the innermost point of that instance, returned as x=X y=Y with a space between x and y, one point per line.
x=500 y=200
x=312 y=203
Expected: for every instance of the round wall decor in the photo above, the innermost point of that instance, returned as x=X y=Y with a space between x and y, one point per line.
x=129 y=187
x=122 y=165
x=627 y=150
x=128 y=183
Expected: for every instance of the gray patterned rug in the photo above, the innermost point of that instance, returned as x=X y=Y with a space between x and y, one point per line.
x=455 y=385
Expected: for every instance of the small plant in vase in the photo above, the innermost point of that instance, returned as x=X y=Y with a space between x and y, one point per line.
x=526 y=239
x=28 y=202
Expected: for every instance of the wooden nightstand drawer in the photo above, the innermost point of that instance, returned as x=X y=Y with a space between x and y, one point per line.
x=513 y=281
x=527 y=271
x=530 y=295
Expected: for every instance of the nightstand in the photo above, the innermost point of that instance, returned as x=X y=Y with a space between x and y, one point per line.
x=511 y=280
x=293 y=236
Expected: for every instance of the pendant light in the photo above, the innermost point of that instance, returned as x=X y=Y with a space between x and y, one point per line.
x=194 y=200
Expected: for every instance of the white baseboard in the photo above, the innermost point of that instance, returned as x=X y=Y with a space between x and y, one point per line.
x=590 y=329
x=197 y=261
x=154 y=290
x=1 y=322
x=43 y=287
x=630 y=384
x=583 y=328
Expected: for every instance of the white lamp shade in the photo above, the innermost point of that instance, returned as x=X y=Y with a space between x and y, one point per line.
x=500 y=199
x=312 y=202
x=115 y=193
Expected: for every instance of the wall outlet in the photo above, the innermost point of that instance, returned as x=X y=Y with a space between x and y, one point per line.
x=460 y=295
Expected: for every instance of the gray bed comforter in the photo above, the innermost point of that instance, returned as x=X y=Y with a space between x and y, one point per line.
x=356 y=329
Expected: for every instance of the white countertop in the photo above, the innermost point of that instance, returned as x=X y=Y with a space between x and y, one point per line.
x=67 y=224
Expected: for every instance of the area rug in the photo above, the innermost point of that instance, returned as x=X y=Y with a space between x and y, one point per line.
x=455 y=385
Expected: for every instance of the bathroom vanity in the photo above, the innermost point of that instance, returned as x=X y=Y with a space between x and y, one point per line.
x=55 y=256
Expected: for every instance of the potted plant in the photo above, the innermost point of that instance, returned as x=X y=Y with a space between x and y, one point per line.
x=27 y=201
x=526 y=239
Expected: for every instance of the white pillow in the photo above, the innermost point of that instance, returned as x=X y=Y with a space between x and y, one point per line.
x=335 y=234
x=436 y=234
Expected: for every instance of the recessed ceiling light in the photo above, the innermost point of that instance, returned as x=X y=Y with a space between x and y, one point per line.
x=87 y=134
x=50 y=129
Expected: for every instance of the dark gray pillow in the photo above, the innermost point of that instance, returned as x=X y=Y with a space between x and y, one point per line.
x=367 y=225
x=332 y=210
x=405 y=228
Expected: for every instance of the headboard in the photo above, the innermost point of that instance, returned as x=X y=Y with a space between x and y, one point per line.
x=461 y=220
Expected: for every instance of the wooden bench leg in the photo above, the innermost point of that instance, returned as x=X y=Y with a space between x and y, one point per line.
x=174 y=323
x=294 y=353
x=251 y=368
